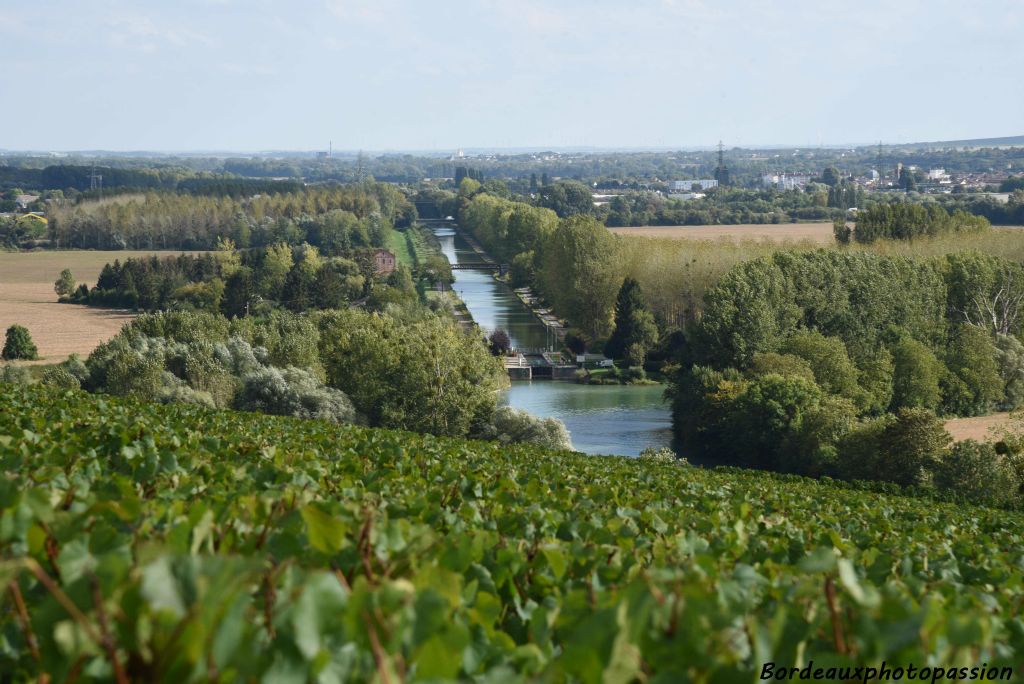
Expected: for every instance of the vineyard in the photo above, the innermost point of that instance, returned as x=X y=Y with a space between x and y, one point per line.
x=147 y=542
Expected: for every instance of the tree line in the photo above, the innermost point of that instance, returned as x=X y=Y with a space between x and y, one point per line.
x=330 y=218
x=835 y=363
x=907 y=221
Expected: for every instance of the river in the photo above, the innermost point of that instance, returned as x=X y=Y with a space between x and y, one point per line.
x=602 y=419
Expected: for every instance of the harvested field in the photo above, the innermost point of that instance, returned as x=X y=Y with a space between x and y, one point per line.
x=978 y=428
x=820 y=233
x=27 y=298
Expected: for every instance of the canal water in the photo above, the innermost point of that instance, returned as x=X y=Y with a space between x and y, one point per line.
x=602 y=419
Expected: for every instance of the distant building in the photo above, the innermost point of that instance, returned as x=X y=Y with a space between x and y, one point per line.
x=24 y=200
x=686 y=195
x=785 y=181
x=687 y=185
x=384 y=262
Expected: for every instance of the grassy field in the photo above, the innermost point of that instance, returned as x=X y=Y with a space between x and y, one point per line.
x=27 y=298
x=818 y=233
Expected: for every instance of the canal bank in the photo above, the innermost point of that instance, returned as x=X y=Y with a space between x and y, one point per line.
x=613 y=419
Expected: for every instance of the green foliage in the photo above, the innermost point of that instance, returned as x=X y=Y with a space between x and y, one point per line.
x=512 y=426
x=335 y=219
x=18 y=344
x=905 y=449
x=828 y=359
x=635 y=330
x=580 y=273
x=425 y=375
x=841 y=231
x=906 y=221
x=15 y=375
x=916 y=375
x=293 y=392
x=751 y=310
x=61 y=378
x=1010 y=360
x=978 y=473
x=65 y=284
x=973 y=385
x=876 y=373
x=204 y=545
x=789 y=365
x=567 y=198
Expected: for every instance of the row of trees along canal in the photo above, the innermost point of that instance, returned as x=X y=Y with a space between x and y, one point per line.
x=616 y=419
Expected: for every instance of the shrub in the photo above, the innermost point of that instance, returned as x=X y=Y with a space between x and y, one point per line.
x=976 y=471
x=15 y=375
x=19 y=345
x=293 y=392
x=513 y=426
x=663 y=455
x=60 y=377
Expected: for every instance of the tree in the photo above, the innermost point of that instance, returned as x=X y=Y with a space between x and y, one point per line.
x=828 y=358
x=916 y=375
x=973 y=384
x=18 y=344
x=1010 y=360
x=273 y=271
x=634 y=325
x=425 y=375
x=751 y=310
x=499 y=342
x=65 y=284
x=842 y=232
x=579 y=273
x=567 y=198
x=830 y=176
x=904 y=449
x=911 y=446
x=239 y=293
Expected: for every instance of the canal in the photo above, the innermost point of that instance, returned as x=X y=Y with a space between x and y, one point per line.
x=602 y=419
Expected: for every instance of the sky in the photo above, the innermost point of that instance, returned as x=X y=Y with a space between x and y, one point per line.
x=250 y=75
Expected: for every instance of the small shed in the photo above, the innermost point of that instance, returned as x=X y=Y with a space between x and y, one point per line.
x=384 y=262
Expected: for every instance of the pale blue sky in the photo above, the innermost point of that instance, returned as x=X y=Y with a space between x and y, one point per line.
x=439 y=74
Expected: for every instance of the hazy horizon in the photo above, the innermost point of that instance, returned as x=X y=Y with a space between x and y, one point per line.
x=394 y=75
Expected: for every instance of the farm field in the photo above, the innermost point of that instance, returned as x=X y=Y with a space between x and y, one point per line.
x=27 y=298
x=318 y=548
x=820 y=233
x=978 y=428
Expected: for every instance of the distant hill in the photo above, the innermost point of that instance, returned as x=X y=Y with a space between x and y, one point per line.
x=1009 y=141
